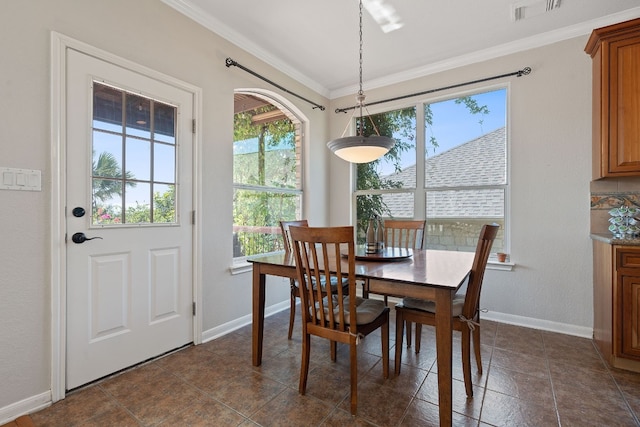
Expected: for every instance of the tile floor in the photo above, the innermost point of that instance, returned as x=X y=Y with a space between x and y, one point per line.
x=530 y=378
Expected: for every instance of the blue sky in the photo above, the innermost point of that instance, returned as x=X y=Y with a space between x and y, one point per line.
x=138 y=158
x=454 y=125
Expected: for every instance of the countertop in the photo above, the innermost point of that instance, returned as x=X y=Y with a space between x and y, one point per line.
x=608 y=238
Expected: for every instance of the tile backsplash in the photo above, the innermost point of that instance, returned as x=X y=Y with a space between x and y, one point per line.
x=611 y=193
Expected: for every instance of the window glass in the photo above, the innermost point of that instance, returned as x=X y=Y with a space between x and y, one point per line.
x=466 y=169
x=266 y=174
x=131 y=167
x=462 y=183
x=391 y=178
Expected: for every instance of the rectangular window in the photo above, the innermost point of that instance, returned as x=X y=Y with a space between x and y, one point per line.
x=134 y=159
x=462 y=183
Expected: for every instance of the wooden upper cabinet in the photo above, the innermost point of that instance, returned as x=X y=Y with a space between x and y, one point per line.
x=615 y=51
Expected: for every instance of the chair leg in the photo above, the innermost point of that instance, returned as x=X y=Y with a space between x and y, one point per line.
x=292 y=314
x=386 y=301
x=334 y=350
x=408 y=333
x=353 y=355
x=418 y=336
x=399 y=334
x=365 y=289
x=476 y=348
x=466 y=360
x=385 y=349
x=304 y=368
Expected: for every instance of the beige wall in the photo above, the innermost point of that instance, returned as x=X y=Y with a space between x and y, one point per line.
x=550 y=156
x=151 y=34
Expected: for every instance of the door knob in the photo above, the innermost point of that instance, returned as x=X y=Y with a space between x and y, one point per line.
x=81 y=238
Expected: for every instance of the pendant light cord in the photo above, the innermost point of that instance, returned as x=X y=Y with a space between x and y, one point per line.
x=360 y=97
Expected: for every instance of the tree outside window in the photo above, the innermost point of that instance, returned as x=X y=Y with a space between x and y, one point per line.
x=462 y=182
x=266 y=174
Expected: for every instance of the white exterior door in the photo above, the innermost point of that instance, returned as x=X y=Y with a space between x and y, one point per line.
x=129 y=189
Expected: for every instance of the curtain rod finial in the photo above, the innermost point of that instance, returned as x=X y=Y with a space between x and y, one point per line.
x=524 y=71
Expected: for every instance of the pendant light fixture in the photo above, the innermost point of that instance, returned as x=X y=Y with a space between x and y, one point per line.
x=360 y=148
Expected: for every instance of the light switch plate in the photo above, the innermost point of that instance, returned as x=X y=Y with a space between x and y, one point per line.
x=20 y=179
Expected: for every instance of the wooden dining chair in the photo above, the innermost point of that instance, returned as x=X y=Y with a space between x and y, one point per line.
x=295 y=292
x=400 y=233
x=466 y=311
x=404 y=233
x=336 y=316
x=284 y=227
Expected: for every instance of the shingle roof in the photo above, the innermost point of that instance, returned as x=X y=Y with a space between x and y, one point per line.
x=479 y=162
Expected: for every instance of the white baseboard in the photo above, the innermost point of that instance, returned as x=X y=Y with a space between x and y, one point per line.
x=527 y=322
x=24 y=407
x=545 y=325
x=510 y=319
x=225 y=328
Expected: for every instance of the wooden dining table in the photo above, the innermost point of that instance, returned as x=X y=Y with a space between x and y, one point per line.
x=429 y=274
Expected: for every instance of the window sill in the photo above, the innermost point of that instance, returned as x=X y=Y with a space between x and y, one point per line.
x=240 y=267
x=497 y=265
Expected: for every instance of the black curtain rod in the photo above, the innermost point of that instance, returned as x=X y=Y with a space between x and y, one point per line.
x=518 y=73
x=230 y=62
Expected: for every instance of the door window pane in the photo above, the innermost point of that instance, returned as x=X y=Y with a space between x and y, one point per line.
x=164 y=120
x=107 y=203
x=107 y=108
x=164 y=163
x=107 y=155
x=164 y=200
x=138 y=116
x=138 y=155
x=126 y=188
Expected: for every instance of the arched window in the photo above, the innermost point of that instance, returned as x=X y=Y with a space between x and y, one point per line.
x=267 y=178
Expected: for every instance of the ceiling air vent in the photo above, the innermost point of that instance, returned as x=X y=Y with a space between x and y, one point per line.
x=527 y=9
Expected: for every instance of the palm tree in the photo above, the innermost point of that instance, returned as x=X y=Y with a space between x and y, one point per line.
x=108 y=168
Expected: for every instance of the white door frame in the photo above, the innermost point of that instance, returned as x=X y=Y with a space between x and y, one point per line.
x=59 y=45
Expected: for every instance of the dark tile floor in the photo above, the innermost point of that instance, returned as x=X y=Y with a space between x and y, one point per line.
x=530 y=378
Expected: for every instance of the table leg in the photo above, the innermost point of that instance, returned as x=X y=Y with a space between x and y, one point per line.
x=258 y=315
x=444 y=341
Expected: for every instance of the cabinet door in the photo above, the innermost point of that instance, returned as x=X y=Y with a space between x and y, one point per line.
x=624 y=111
x=630 y=316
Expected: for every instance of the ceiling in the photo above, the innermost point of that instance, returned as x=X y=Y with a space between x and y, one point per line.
x=316 y=42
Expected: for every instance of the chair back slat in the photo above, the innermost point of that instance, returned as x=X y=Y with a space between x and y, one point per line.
x=286 y=237
x=407 y=234
x=319 y=261
x=483 y=250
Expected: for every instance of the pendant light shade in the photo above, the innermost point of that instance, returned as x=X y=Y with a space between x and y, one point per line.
x=360 y=148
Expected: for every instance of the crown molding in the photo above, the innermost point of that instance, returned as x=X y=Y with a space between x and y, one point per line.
x=211 y=23
x=516 y=46
x=208 y=21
